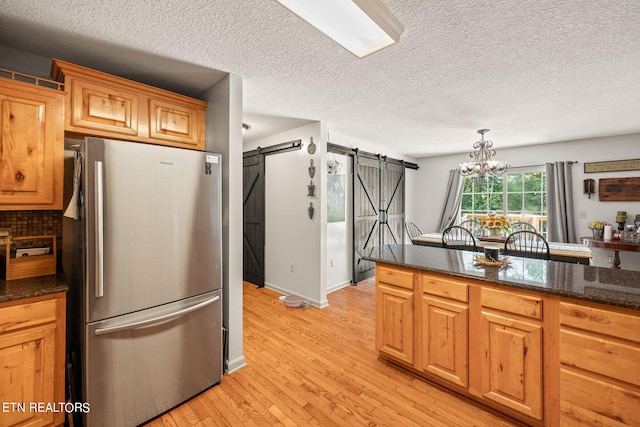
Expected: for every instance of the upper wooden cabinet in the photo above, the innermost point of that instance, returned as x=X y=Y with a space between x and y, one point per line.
x=104 y=105
x=31 y=146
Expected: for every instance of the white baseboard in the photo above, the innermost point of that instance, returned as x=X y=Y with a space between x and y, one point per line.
x=310 y=301
x=338 y=286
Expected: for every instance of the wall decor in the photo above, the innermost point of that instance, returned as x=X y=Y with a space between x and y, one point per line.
x=311 y=190
x=619 y=189
x=336 y=200
x=612 y=166
x=310 y=210
x=311 y=148
x=589 y=186
x=312 y=169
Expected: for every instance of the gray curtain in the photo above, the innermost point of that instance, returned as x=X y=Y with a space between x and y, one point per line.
x=560 y=217
x=452 y=201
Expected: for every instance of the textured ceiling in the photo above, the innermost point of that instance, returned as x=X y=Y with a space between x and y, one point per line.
x=532 y=71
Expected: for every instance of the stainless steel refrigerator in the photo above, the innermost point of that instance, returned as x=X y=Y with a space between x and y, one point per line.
x=144 y=313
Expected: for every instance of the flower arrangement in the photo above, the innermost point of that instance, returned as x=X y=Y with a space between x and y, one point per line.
x=597 y=225
x=495 y=222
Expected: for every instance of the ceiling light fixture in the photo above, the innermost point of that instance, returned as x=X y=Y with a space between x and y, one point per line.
x=483 y=164
x=360 y=26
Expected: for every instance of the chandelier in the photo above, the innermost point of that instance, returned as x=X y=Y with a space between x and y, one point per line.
x=483 y=164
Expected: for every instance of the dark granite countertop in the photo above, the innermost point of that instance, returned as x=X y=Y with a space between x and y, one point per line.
x=596 y=284
x=13 y=290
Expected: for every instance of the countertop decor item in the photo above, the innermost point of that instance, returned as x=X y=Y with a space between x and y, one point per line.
x=481 y=261
x=597 y=228
x=496 y=224
x=483 y=164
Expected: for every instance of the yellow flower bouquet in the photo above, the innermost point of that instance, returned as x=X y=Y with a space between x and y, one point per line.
x=495 y=223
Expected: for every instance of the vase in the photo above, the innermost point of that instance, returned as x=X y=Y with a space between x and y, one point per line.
x=597 y=232
x=494 y=233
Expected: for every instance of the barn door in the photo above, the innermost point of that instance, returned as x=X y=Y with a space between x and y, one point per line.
x=366 y=205
x=254 y=219
x=392 y=203
x=378 y=209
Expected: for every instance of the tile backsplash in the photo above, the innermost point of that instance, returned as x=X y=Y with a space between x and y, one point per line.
x=33 y=223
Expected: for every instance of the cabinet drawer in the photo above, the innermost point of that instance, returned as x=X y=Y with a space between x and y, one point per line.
x=525 y=305
x=27 y=315
x=439 y=286
x=603 y=321
x=589 y=401
x=612 y=358
x=395 y=277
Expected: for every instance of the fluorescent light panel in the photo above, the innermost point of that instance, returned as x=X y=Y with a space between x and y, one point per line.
x=360 y=26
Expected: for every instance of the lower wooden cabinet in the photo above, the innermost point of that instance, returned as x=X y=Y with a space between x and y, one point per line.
x=394 y=313
x=32 y=336
x=511 y=350
x=600 y=366
x=443 y=329
x=541 y=359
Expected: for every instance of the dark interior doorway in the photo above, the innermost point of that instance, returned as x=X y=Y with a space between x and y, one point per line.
x=253 y=209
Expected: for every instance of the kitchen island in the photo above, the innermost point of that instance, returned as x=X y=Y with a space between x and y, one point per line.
x=544 y=342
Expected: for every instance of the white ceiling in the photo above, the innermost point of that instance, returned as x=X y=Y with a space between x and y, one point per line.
x=532 y=71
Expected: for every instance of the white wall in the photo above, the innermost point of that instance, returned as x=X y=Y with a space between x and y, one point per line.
x=431 y=182
x=292 y=240
x=339 y=234
x=224 y=135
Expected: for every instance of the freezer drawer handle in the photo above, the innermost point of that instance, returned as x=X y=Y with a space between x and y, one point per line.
x=159 y=319
x=99 y=241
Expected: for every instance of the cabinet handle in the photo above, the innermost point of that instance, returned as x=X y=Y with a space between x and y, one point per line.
x=19 y=176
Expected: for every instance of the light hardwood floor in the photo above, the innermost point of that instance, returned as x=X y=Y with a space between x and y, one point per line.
x=319 y=367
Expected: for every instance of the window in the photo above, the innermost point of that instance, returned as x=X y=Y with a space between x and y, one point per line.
x=520 y=194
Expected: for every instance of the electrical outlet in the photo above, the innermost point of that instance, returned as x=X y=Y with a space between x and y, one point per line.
x=293 y=267
x=609 y=259
x=333 y=263
x=583 y=214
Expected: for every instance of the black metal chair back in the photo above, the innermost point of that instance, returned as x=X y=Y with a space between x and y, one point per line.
x=412 y=230
x=473 y=225
x=521 y=225
x=456 y=237
x=527 y=244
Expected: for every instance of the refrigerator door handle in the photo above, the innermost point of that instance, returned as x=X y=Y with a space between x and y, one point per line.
x=159 y=319
x=99 y=227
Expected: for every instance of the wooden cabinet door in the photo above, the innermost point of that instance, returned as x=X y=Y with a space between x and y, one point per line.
x=444 y=339
x=511 y=361
x=31 y=146
x=102 y=108
x=176 y=123
x=27 y=375
x=394 y=322
x=394 y=313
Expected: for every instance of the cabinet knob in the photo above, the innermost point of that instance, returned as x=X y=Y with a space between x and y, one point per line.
x=19 y=176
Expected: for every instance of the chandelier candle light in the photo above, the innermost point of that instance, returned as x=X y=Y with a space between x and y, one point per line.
x=483 y=164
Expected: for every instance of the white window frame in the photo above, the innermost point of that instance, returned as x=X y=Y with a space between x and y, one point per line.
x=538 y=221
